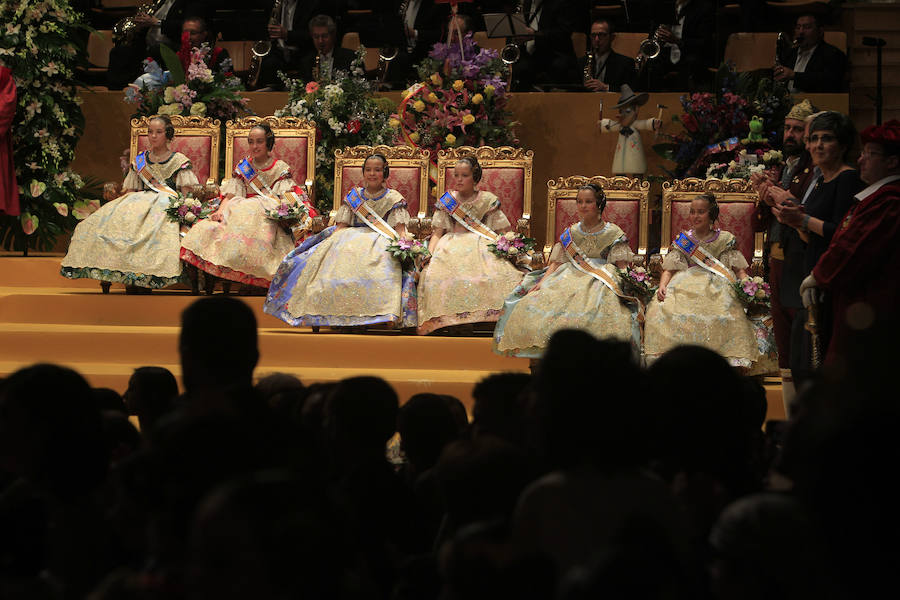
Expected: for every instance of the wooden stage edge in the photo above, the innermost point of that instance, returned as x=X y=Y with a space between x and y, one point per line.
x=559 y=127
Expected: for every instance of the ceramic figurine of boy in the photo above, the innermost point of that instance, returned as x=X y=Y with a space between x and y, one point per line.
x=629 y=158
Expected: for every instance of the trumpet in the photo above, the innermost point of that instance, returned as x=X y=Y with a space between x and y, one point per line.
x=385 y=56
x=262 y=48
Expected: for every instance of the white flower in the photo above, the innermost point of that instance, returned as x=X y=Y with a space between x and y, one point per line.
x=333 y=90
x=190 y=217
x=509 y=235
x=512 y=251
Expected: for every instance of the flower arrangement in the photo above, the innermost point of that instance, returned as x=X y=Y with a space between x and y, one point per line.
x=637 y=282
x=405 y=249
x=714 y=125
x=346 y=114
x=40 y=44
x=460 y=100
x=511 y=245
x=286 y=212
x=187 y=210
x=746 y=164
x=753 y=292
x=189 y=87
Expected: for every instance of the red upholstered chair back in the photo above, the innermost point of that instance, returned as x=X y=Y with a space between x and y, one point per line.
x=295 y=144
x=408 y=173
x=627 y=203
x=737 y=201
x=195 y=137
x=506 y=172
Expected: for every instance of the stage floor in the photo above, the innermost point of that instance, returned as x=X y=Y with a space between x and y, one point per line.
x=47 y=318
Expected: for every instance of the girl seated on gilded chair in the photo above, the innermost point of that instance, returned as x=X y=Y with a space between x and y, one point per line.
x=580 y=289
x=239 y=242
x=131 y=240
x=345 y=276
x=695 y=303
x=464 y=282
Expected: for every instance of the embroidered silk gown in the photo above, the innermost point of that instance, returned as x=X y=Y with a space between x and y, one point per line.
x=464 y=282
x=570 y=298
x=131 y=239
x=245 y=246
x=702 y=308
x=347 y=277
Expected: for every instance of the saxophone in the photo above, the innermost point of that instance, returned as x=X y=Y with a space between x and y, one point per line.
x=261 y=49
x=588 y=66
x=317 y=67
x=124 y=29
x=402 y=13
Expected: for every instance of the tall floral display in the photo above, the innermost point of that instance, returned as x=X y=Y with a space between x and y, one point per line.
x=346 y=114
x=39 y=44
x=190 y=86
x=741 y=120
x=460 y=100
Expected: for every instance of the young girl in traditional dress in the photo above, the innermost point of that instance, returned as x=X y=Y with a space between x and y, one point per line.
x=239 y=242
x=695 y=303
x=579 y=290
x=131 y=239
x=344 y=276
x=464 y=282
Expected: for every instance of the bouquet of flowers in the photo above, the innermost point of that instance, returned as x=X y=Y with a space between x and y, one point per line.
x=460 y=100
x=511 y=245
x=346 y=114
x=637 y=282
x=190 y=86
x=288 y=212
x=405 y=249
x=187 y=210
x=714 y=125
x=753 y=292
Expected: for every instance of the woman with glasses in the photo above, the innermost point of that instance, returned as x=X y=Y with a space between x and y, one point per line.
x=812 y=221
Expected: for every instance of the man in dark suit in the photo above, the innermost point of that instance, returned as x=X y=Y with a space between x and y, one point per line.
x=290 y=36
x=331 y=58
x=607 y=70
x=815 y=66
x=549 y=57
x=687 y=47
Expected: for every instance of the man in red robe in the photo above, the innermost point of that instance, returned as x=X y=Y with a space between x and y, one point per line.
x=9 y=190
x=861 y=264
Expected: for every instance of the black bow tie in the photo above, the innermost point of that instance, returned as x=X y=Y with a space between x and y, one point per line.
x=626 y=131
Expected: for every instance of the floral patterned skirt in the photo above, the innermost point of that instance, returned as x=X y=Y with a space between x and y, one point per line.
x=342 y=278
x=464 y=283
x=246 y=246
x=129 y=240
x=700 y=308
x=568 y=299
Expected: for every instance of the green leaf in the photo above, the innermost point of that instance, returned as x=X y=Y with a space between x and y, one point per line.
x=173 y=64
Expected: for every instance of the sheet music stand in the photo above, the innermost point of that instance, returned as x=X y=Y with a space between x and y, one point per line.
x=501 y=25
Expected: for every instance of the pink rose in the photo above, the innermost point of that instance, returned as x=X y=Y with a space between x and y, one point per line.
x=312 y=87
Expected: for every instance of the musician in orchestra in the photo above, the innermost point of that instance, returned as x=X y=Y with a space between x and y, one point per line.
x=327 y=57
x=814 y=65
x=131 y=239
x=579 y=290
x=548 y=57
x=603 y=69
x=464 y=282
x=344 y=276
x=687 y=47
x=238 y=242
x=695 y=302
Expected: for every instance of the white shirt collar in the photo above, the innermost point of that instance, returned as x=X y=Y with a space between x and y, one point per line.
x=876 y=186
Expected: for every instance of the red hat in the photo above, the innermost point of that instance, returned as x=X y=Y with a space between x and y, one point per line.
x=886 y=134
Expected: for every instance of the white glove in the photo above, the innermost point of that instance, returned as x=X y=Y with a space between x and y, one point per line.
x=809 y=291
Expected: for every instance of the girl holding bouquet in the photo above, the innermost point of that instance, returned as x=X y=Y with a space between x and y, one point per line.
x=464 y=282
x=579 y=290
x=131 y=240
x=696 y=302
x=345 y=275
x=239 y=242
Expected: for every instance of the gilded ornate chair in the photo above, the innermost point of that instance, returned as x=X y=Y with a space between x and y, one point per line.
x=408 y=174
x=506 y=171
x=295 y=144
x=627 y=205
x=737 y=201
x=195 y=137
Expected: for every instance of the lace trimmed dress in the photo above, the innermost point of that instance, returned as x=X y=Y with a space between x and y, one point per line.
x=245 y=246
x=570 y=298
x=702 y=308
x=131 y=240
x=346 y=277
x=464 y=282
